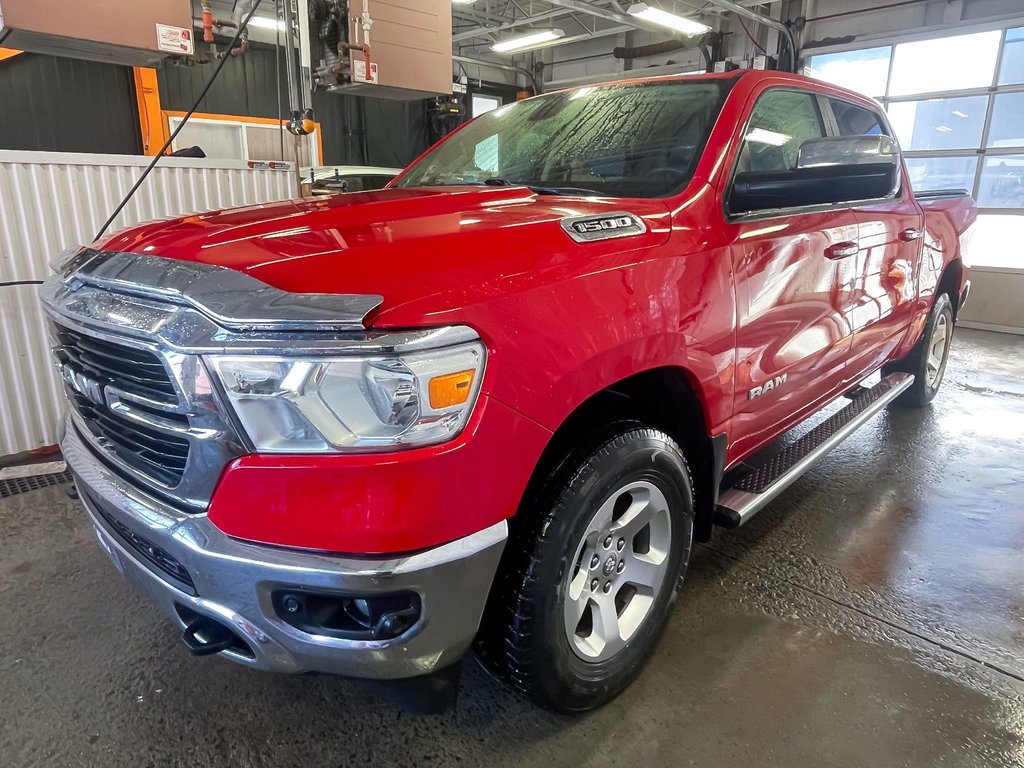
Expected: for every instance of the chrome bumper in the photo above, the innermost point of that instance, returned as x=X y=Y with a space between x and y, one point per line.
x=233 y=582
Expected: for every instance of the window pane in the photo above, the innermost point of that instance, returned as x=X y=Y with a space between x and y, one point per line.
x=780 y=122
x=994 y=240
x=482 y=104
x=1007 y=128
x=1012 y=68
x=939 y=123
x=1002 y=182
x=218 y=140
x=944 y=64
x=855 y=121
x=931 y=174
x=863 y=71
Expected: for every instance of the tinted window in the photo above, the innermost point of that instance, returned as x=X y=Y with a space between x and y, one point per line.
x=780 y=122
x=856 y=121
x=616 y=140
x=376 y=182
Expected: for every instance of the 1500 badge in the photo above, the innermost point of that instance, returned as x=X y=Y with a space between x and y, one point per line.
x=587 y=229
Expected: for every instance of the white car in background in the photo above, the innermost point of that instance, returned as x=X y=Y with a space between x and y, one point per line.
x=332 y=179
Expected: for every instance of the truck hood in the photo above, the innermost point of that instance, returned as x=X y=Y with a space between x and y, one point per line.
x=452 y=244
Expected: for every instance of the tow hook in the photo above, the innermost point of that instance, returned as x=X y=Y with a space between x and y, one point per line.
x=205 y=637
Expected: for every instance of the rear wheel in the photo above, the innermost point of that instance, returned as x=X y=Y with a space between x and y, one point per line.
x=587 y=590
x=927 y=361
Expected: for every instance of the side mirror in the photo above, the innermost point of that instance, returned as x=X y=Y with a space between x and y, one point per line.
x=836 y=169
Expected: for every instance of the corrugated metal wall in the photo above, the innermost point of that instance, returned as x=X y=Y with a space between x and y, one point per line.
x=51 y=201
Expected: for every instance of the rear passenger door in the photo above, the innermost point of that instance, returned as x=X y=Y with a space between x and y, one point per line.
x=889 y=250
x=795 y=270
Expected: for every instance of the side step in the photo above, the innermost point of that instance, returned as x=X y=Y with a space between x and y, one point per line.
x=756 y=488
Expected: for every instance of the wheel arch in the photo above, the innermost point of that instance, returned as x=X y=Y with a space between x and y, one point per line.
x=950 y=282
x=668 y=398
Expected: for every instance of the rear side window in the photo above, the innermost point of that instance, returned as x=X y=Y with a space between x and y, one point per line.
x=780 y=122
x=376 y=182
x=856 y=121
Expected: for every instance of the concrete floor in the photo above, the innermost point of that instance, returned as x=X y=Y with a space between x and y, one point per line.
x=873 y=616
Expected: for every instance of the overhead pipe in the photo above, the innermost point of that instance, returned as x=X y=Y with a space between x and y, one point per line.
x=760 y=18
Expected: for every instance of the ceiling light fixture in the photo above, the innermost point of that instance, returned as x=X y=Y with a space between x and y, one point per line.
x=262 y=22
x=463 y=2
x=533 y=40
x=666 y=19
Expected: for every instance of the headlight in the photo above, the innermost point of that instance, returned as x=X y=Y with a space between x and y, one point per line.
x=354 y=403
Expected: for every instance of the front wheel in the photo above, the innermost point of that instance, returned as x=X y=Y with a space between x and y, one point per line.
x=927 y=361
x=589 y=587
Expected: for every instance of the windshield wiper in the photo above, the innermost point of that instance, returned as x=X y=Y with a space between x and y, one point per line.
x=540 y=189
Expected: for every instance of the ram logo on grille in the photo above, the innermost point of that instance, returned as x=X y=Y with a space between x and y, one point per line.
x=88 y=388
x=586 y=229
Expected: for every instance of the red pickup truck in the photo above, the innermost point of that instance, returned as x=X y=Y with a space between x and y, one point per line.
x=493 y=404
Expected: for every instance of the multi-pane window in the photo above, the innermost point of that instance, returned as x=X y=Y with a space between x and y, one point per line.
x=961 y=126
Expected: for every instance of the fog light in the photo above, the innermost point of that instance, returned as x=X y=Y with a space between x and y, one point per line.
x=347 y=616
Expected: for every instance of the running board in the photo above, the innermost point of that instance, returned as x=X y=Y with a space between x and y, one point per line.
x=756 y=488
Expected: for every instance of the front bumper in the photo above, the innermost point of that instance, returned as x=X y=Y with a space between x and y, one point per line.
x=233 y=581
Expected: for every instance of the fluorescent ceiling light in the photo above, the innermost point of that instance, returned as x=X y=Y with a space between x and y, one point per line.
x=527 y=41
x=763 y=136
x=958 y=113
x=262 y=22
x=463 y=2
x=666 y=19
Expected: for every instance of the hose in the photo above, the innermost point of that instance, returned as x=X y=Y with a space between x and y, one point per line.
x=167 y=144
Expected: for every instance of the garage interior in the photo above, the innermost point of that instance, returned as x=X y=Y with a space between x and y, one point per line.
x=871 y=615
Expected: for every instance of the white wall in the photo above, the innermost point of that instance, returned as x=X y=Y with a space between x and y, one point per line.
x=50 y=201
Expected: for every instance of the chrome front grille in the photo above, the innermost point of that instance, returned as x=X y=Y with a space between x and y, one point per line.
x=99 y=372
x=152 y=452
x=130 y=332
x=136 y=370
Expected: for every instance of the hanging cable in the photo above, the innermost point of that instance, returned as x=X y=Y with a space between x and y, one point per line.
x=277 y=73
x=747 y=31
x=20 y=282
x=174 y=134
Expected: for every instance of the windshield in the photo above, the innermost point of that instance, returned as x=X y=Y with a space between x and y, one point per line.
x=617 y=141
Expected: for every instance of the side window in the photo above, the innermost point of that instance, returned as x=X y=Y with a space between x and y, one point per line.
x=780 y=122
x=856 y=121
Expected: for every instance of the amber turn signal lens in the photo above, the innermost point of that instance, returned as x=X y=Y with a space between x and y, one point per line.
x=451 y=389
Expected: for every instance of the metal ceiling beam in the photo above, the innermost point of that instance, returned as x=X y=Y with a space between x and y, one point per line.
x=484 y=31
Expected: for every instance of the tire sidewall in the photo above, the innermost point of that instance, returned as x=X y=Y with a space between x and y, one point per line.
x=942 y=306
x=570 y=682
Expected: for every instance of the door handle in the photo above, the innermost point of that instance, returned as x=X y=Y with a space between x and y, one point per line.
x=841 y=250
x=909 y=235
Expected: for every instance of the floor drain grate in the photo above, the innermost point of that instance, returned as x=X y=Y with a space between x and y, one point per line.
x=16 y=485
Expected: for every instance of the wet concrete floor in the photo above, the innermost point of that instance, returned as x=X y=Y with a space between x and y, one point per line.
x=873 y=616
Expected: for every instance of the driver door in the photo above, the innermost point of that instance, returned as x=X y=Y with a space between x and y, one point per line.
x=796 y=271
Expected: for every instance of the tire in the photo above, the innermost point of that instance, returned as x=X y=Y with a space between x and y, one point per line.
x=588 y=518
x=927 y=360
